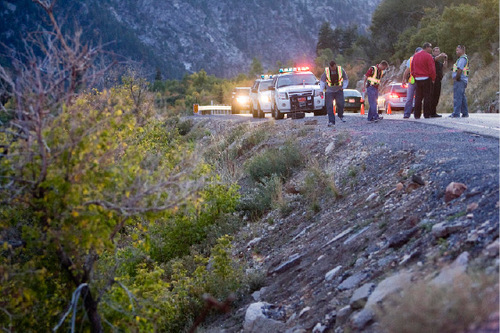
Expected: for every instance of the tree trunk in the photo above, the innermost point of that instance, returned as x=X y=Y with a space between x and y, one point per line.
x=91 y=309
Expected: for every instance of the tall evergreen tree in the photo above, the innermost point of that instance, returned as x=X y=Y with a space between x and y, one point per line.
x=325 y=38
x=255 y=68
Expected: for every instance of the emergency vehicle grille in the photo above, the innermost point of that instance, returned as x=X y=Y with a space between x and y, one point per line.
x=301 y=102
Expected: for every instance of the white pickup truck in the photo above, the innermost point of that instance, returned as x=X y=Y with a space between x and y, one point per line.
x=294 y=92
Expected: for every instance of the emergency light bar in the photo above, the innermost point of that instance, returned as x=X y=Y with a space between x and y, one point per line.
x=266 y=76
x=293 y=69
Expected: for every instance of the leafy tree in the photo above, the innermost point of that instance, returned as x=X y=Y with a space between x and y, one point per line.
x=82 y=177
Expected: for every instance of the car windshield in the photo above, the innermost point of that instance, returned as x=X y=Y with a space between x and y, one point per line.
x=265 y=84
x=351 y=93
x=296 y=79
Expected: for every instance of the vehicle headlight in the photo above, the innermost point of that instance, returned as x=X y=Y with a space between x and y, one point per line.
x=265 y=98
x=282 y=95
x=242 y=99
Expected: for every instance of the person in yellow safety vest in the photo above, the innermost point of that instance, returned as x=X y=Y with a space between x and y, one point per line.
x=460 y=77
x=410 y=91
x=373 y=77
x=334 y=80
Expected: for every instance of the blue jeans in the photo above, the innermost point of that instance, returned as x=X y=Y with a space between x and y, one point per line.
x=338 y=96
x=372 y=100
x=459 y=99
x=410 y=94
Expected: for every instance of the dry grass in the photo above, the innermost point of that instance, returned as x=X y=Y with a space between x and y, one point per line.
x=318 y=185
x=431 y=309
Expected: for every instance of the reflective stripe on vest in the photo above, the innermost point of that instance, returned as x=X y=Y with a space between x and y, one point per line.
x=465 y=71
x=329 y=80
x=373 y=79
x=412 y=79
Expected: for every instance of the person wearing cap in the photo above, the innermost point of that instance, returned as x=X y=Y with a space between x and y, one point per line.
x=410 y=92
x=460 y=77
x=423 y=69
x=335 y=80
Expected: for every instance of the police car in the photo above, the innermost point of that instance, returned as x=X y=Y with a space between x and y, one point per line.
x=295 y=91
x=260 y=96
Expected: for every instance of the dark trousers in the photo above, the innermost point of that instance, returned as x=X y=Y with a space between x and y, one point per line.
x=436 y=93
x=423 y=92
x=338 y=96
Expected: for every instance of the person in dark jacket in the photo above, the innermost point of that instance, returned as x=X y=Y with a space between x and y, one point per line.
x=423 y=69
x=441 y=60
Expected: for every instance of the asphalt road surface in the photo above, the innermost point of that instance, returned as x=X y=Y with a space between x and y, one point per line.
x=486 y=124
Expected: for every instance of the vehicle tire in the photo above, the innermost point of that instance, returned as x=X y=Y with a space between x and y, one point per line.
x=260 y=113
x=278 y=115
x=253 y=111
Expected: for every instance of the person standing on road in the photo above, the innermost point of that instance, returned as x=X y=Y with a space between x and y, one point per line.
x=436 y=89
x=335 y=80
x=460 y=77
x=410 y=92
x=423 y=69
x=373 y=77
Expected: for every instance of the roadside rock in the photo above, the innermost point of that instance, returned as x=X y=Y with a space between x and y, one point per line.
x=454 y=190
x=293 y=261
x=492 y=249
x=343 y=316
x=443 y=229
x=417 y=179
x=472 y=206
x=331 y=274
x=453 y=271
x=402 y=238
x=388 y=286
x=361 y=319
x=360 y=296
x=352 y=281
x=257 y=322
x=329 y=148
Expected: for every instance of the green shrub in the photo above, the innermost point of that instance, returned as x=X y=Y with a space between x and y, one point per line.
x=157 y=299
x=318 y=185
x=274 y=161
x=265 y=195
x=173 y=236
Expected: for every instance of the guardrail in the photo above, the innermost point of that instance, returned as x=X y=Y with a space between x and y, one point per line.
x=211 y=109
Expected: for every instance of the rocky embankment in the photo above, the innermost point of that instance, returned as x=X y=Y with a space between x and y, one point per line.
x=415 y=216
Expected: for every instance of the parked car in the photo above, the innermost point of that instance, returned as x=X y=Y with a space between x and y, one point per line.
x=394 y=95
x=260 y=97
x=240 y=99
x=295 y=91
x=352 y=100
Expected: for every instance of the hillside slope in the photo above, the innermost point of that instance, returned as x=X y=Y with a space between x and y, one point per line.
x=367 y=216
x=221 y=37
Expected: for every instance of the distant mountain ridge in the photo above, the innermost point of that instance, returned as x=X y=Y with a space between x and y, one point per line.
x=183 y=36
